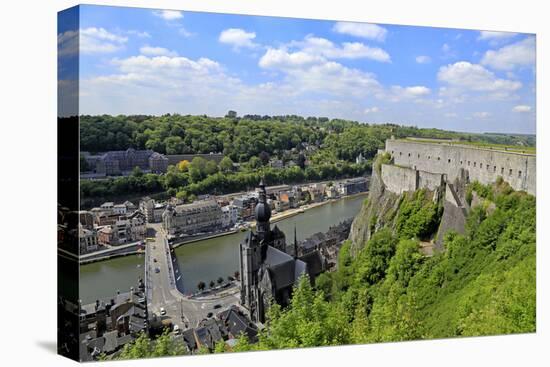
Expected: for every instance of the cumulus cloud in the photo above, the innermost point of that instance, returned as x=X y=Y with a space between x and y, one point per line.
x=99 y=40
x=362 y=30
x=475 y=77
x=399 y=93
x=521 y=108
x=156 y=51
x=238 y=38
x=371 y=110
x=518 y=54
x=168 y=14
x=493 y=35
x=422 y=59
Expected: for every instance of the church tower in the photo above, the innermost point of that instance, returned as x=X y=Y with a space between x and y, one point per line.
x=252 y=255
x=263 y=214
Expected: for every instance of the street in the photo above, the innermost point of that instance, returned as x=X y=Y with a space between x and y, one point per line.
x=163 y=293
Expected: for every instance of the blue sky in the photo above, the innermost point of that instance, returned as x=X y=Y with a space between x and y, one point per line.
x=144 y=61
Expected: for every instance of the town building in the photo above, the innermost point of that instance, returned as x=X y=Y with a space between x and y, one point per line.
x=230 y=215
x=352 y=186
x=87 y=239
x=245 y=205
x=197 y=217
x=114 y=163
x=86 y=219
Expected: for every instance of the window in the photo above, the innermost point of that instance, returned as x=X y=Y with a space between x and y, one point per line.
x=510 y=173
x=460 y=162
x=409 y=154
x=519 y=174
x=419 y=156
x=468 y=163
x=429 y=157
x=449 y=160
x=400 y=153
x=501 y=170
x=494 y=168
x=480 y=165
x=475 y=164
x=487 y=167
x=438 y=158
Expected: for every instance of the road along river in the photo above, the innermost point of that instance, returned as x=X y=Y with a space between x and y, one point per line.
x=208 y=259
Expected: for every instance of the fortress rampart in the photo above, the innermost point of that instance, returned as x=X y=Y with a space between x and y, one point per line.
x=480 y=164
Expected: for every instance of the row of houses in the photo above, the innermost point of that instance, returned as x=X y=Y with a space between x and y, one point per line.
x=109 y=225
x=107 y=325
x=226 y=327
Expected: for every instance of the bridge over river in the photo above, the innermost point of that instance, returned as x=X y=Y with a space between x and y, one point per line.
x=164 y=288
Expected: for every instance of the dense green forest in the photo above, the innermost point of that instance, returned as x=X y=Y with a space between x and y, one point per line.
x=321 y=149
x=241 y=138
x=484 y=283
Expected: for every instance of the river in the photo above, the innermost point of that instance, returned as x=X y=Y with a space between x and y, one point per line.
x=209 y=259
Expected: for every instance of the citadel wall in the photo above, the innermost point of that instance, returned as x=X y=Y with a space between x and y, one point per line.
x=483 y=165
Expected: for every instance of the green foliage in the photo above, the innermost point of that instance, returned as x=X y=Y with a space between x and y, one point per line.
x=143 y=347
x=483 y=284
x=418 y=216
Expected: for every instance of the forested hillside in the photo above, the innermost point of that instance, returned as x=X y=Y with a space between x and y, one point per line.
x=482 y=284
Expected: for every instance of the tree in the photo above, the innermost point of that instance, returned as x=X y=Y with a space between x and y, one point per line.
x=231 y=114
x=183 y=166
x=137 y=172
x=212 y=284
x=201 y=285
x=301 y=161
x=226 y=164
x=174 y=145
x=237 y=274
x=255 y=162
x=220 y=280
x=264 y=157
x=197 y=169
x=210 y=168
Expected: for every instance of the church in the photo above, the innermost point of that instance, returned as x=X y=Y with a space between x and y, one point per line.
x=268 y=272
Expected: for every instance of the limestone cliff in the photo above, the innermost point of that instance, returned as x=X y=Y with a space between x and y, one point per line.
x=385 y=200
x=378 y=210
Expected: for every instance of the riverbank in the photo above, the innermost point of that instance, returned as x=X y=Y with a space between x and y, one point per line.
x=133 y=248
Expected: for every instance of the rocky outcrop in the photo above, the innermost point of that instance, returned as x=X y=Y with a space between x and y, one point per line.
x=378 y=211
x=382 y=207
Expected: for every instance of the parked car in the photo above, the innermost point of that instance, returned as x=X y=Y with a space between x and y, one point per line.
x=209 y=314
x=157 y=270
x=162 y=311
x=217 y=306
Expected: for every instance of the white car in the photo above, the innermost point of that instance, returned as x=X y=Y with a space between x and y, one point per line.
x=162 y=311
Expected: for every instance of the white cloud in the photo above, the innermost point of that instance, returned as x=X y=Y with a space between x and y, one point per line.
x=238 y=38
x=157 y=51
x=482 y=115
x=518 y=54
x=99 y=40
x=168 y=14
x=492 y=35
x=521 y=108
x=370 y=110
x=423 y=59
x=67 y=43
x=139 y=34
x=185 y=33
x=450 y=114
x=281 y=59
x=322 y=47
x=467 y=76
x=363 y=30
x=398 y=93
